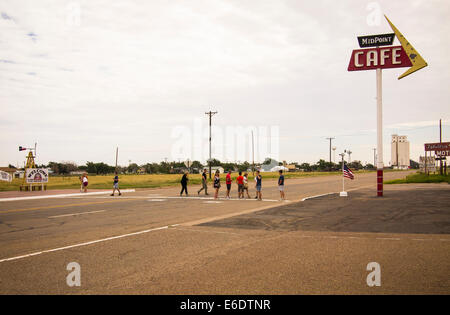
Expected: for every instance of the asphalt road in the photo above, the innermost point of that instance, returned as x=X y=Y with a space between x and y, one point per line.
x=154 y=242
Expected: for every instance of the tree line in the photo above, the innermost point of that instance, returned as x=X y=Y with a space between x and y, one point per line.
x=100 y=168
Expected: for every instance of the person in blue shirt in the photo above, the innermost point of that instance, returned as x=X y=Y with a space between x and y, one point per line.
x=258 y=179
x=116 y=184
x=281 y=185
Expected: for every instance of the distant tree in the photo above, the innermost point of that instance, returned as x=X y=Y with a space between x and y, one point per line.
x=197 y=164
x=91 y=168
x=133 y=168
x=215 y=162
x=369 y=166
x=99 y=168
x=243 y=166
x=164 y=167
x=229 y=167
x=414 y=164
x=305 y=166
x=355 y=165
x=322 y=165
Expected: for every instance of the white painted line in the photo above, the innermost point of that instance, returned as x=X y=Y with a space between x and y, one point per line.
x=210 y=198
x=311 y=197
x=157 y=200
x=74 y=214
x=388 y=238
x=208 y=231
x=212 y=201
x=83 y=244
x=62 y=195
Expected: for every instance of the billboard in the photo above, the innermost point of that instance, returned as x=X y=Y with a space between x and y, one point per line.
x=37 y=175
x=5 y=176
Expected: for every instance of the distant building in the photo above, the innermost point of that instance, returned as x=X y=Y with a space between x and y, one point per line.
x=215 y=168
x=400 y=152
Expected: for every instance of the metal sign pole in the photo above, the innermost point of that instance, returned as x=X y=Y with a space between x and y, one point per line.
x=379 y=135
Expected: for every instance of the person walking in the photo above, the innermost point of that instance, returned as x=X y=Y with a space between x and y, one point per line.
x=85 y=182
x=281 y=185
x=258 y=185
x=245 y=185
x=184 y=181
x=116 y=184
x=228 y=182
x=216 y=184
x=256 y=182
x=204 y=183
x=240 y=182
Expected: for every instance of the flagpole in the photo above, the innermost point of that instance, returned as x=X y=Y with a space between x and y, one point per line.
x=343 y=193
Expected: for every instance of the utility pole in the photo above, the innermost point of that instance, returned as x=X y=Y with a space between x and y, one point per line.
x=334 y=154
x=210 y=114
x=330 y=150
x=117 y=154
x=440 y=141
x=349 y=156
x=374 y=157
x=253 y=155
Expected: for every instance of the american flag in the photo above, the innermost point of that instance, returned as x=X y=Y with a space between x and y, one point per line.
x=348 y=172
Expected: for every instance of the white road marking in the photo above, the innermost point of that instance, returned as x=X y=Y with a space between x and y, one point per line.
x=211 y=201
x=62 y=195
x=211 y=198
x=388 y=238
x=157 y=200
x=74 y=214
x=311 y=197
x=83 y=244
x=208 y=231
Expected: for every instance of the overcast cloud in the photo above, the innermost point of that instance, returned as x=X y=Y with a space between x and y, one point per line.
x=83 y=77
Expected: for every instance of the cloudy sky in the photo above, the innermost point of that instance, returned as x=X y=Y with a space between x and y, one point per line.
x=81 y=78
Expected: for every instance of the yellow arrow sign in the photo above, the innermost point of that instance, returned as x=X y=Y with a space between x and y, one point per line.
x=417 y=61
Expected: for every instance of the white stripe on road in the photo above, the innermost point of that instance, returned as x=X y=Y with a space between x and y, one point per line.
x=74 y=214
x=83 y=244
x=212 y=198
x=316 y=196
x=62 y=195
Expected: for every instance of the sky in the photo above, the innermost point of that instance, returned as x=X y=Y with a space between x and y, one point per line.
x=82 y=78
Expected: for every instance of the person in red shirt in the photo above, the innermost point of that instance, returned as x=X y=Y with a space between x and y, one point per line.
x=228 y=182
x=240 y=182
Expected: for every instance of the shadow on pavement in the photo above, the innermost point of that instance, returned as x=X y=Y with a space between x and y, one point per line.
x=401 y=211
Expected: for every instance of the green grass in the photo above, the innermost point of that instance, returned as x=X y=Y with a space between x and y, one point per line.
x=146 y=180
x=421 y=178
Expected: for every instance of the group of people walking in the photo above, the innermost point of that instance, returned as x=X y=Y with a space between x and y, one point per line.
x=241 y=180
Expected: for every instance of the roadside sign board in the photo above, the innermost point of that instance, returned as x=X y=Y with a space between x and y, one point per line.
x=430 y=164
x=376 y=40
x=438 y=146
x=37 y=175
x=383 y=58
x=4 y=176
x=442 y=153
